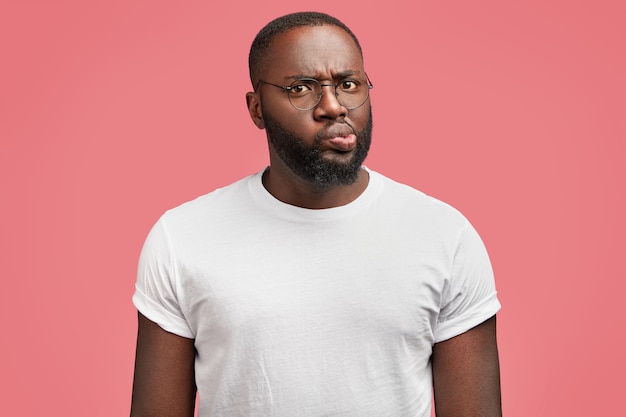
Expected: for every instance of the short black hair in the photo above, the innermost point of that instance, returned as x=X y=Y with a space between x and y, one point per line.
x=262 y=41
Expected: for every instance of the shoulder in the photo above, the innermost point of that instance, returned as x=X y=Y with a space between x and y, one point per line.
x=219 y=202
x=406 y=201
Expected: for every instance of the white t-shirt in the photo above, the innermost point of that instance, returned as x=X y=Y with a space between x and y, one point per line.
x=300 y=312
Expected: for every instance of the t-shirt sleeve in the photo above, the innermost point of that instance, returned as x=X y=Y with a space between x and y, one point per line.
x=157 y=289
x=469 y=294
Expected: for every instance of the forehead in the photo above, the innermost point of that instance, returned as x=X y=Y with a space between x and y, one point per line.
x=316 y=51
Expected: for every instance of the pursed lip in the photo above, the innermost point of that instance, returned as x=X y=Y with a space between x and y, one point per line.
x=339 y=136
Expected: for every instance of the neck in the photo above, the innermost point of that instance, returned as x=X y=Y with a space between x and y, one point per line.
x=290 y=189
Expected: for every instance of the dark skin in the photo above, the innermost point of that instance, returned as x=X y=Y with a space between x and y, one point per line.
x=321 y=52
x=466 y=374
x=164 y=383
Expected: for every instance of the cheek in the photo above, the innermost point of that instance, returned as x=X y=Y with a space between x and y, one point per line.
x=359 y=118
x=279 y=109
x=295 y=121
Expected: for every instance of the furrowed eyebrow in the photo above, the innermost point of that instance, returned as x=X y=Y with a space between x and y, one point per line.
x=346 y=74
x=297 y=77
x=337 y=76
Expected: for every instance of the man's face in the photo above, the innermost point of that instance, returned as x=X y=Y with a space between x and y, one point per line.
x=327 y=145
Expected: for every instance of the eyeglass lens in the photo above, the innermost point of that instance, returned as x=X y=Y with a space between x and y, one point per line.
x=306 y=93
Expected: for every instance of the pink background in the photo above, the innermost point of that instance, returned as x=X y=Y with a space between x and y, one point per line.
x=112 y=112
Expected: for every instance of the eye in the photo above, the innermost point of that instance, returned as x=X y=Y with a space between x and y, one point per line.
x=349 y=85
x=301 y=87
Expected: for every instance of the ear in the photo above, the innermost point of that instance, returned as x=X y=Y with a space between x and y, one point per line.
x=254 y=108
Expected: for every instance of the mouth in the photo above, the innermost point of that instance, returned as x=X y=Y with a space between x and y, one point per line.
x=343 y=143
x=339 y=137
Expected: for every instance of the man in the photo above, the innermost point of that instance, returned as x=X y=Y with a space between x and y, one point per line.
x=316 y=287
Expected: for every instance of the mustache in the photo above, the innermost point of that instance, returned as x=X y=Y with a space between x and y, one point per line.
x=334 y=129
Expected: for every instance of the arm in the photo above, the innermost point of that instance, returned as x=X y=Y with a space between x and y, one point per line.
x=164 y=384
x=466 y=374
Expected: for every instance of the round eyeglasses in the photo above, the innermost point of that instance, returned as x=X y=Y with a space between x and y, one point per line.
x=306 y=93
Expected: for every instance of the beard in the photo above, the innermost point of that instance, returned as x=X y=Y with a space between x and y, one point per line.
x=307 y=162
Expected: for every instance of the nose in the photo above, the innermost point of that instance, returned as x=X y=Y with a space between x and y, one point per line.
x=329 y=107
